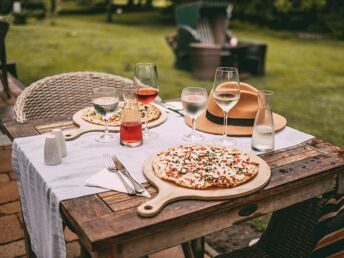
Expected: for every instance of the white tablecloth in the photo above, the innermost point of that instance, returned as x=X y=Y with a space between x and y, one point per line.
x=43 y=187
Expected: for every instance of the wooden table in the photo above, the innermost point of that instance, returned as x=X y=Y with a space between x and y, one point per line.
x=108 y=224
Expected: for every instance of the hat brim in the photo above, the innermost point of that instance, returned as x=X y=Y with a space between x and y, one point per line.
x=204 y=125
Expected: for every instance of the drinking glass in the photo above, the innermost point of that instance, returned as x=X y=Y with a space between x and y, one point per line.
x=105 y=101
x=194 y=100
x=263 y=135
x=146 y=83
x=131 y=126
x=226 y=92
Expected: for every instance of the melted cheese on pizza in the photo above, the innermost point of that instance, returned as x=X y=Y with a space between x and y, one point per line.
x=203 y=166
x=92 y=116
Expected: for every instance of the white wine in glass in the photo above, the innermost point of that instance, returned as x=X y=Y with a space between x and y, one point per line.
x=226 y=92
x=194 y=100
x=105 y=102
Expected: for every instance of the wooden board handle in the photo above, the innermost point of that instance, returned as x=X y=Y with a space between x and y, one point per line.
x=76 y=133
x=154 y=205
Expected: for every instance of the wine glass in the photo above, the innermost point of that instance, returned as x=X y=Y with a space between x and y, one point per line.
x=194 y=100
x=226 y=92
x=146 y=83
x=105 y=101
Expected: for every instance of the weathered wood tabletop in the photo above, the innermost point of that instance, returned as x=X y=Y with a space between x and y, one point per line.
x=108 y=224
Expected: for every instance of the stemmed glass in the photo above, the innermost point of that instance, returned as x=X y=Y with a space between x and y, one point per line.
x=194 y=100
x=146 y=83
x=226 y=92
x=105 y=101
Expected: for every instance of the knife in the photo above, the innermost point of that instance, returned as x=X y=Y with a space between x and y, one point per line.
x=138 y=187
x=177 y=112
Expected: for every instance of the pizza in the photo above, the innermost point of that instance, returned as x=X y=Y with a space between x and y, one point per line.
x=201 y=166
x=90 y=115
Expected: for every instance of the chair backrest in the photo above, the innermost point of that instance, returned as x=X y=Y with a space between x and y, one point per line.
x=4 y=26
x=209 y=19
x=205 y=31
x=63 y=94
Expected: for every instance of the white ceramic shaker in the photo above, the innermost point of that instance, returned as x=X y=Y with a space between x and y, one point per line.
x=52 y=151
x=61 y=141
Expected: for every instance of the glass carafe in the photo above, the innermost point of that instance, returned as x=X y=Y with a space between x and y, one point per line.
x=131 y=128
x=263 y=136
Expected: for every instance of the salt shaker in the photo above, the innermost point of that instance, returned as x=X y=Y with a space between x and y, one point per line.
x=52 y=151
x=263 y=136
x=61 y=141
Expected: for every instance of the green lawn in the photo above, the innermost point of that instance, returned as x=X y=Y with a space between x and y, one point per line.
x=307 y=75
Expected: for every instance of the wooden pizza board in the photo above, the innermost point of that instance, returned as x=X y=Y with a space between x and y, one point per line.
x=169 y=192
x=85 y=127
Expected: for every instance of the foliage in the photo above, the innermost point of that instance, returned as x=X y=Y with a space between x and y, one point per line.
x=309 y=15
x=30 y=8
x=287 y=6
x=333 y=17
x=306 y=76
x=299 y=15
x=6 y=6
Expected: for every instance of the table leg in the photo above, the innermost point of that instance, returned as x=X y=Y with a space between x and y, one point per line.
x=84 y=253
x=194 y=248
x=340 y=188
x=198 y=247
x=187 y=250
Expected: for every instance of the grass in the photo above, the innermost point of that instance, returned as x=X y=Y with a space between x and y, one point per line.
x=306 y=75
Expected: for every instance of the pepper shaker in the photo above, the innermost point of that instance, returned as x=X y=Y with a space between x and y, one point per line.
x=61 y=141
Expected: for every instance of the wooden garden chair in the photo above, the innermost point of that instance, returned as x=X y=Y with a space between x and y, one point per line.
x=207 y=23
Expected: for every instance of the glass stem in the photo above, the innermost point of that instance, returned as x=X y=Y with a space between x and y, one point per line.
x=146 y=132
x=225 y=125
x=106 y=132
x=193 y=126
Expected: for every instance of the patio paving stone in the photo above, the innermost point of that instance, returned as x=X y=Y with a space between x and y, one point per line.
x=14 y=249
x=12 y=175
x=8 y=192
x=69 y=235
x=4 y=178
x=10 y=208
x=4 y=140
x=10 y=229
x=73 y=249
x=5 y=159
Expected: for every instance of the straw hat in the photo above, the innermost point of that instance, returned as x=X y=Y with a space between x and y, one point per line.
x=241 y=117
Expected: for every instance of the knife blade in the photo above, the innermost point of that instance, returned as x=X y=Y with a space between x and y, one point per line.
x=167 y=108
x=138 y=187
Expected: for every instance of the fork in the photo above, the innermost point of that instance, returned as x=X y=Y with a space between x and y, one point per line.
x=112 y=168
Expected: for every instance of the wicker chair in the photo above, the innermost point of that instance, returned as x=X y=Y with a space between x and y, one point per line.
x=63 y=94
x=291 y=233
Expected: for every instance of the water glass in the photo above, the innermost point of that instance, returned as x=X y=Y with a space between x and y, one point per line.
x=105 y=101
x=226 y=92
x=263 y=136
x=194 y=100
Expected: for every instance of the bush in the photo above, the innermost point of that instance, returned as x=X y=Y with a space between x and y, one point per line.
x=20 y=18
x=6 y=6
x=333 y=18
x=308 y=15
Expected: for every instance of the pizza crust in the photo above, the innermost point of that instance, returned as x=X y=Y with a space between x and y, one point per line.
x=203 y=166
x=91 y=116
